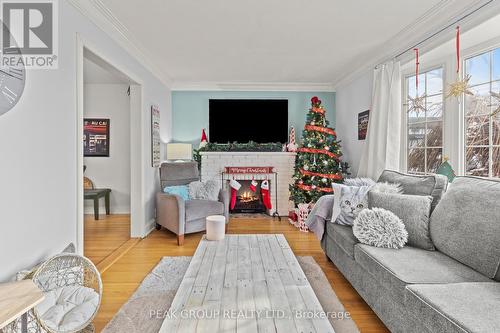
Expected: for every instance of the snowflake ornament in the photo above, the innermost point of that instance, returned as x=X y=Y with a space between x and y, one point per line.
x=417 y=103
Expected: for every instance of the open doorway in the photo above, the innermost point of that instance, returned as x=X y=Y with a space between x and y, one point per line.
x=109 y=107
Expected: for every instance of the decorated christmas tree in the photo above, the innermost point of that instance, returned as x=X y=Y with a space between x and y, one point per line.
x=317 y=164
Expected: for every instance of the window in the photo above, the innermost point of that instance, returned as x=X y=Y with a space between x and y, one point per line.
x=482 y=129
x=424 y=121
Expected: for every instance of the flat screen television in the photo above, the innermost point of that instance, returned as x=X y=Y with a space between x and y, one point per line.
x=244 y=120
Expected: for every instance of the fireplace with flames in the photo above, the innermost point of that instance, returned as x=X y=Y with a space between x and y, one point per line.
x=248 y=201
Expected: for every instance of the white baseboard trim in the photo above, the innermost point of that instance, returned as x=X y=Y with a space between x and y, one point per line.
x=149 y=227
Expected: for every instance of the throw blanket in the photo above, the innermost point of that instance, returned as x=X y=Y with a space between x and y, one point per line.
x=318 y=216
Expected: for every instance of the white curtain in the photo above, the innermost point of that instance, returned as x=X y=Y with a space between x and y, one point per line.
x=383 y=141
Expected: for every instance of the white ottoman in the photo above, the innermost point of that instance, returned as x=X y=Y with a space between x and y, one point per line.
x=216 y=226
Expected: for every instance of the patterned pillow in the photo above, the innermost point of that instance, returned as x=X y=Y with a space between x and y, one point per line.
x=348 y=202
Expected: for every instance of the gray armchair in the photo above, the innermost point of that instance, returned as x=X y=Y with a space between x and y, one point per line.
x=185 y=217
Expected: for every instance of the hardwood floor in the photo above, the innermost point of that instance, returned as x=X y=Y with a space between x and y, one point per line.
x=104 y=236
x=123 y=277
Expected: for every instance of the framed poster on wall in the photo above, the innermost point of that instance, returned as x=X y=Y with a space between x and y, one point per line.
x=155 y=137
x=363 y=124
x=95 y=137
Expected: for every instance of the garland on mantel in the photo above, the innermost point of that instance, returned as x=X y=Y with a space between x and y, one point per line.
x=243 y=147
x=237 y=147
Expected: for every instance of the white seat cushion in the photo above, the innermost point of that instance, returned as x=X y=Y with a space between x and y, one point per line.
x=67 y=308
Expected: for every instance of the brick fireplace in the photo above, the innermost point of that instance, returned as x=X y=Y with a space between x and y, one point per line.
x=213 y=165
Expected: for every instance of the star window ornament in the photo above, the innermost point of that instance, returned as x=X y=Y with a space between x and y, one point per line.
x=459 y=87
x=497 y=97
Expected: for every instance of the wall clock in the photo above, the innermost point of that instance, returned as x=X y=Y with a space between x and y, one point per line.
x=12 y=78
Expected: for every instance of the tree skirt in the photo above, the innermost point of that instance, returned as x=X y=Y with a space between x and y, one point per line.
x=156 y=292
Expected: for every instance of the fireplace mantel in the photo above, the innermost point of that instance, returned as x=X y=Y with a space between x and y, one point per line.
x=214 y=163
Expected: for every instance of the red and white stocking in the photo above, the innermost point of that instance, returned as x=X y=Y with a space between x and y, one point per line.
x=253 y=185
x=235 y=186
x=266 y=197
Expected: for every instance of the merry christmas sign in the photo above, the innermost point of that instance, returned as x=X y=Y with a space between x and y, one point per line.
x=247 y=170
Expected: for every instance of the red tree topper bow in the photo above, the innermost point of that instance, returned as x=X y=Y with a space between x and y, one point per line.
x=315 y=100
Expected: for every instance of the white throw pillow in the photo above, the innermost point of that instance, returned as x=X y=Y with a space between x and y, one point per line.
x=381 y=228
x=360 y=181
x=67 y=308
x=208 y=190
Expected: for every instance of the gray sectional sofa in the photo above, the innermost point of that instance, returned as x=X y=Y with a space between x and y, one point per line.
x=453 y=289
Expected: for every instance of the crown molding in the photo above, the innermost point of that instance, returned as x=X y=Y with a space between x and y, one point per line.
x=441 y=15
x=103 y=18
x=252 y=86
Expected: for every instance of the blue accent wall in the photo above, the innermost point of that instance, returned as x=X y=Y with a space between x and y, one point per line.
x=190 y=110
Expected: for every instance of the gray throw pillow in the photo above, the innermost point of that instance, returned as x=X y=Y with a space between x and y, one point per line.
x=413 y=210
x=434 y=185
x=208 y=190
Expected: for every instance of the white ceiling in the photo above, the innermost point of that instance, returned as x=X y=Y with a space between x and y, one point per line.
x=272 y=41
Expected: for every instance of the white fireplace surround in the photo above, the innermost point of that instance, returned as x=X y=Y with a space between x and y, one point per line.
x=213 y=164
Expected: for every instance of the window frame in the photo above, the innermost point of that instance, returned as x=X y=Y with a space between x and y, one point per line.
x=482 y=48
x=454 y=126
x=405 y=149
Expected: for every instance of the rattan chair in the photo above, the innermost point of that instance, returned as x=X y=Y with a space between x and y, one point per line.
x=62 y=270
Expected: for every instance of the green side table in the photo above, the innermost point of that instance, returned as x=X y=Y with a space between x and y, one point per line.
x=96 y=194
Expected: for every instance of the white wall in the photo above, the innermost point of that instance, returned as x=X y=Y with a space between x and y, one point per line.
x=38 y=149
x=352 y=99
x=112 y=102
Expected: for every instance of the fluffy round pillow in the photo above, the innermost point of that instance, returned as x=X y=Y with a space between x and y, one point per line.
x=381 y=228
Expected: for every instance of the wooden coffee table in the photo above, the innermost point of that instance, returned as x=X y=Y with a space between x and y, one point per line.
x=245 y=283
x=17 y=298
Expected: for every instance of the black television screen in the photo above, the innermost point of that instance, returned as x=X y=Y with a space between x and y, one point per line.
x=244 y=120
